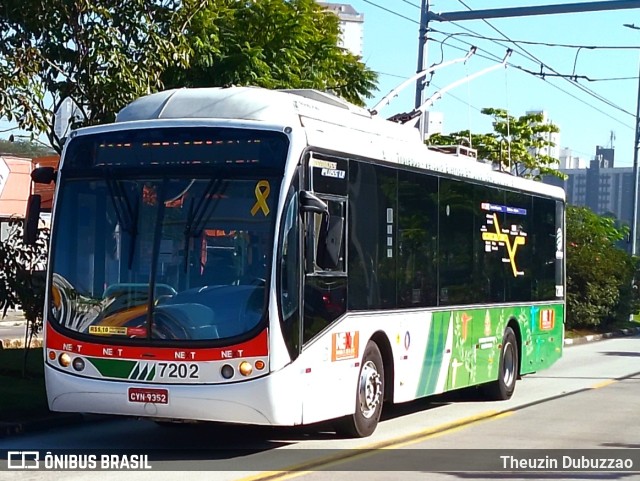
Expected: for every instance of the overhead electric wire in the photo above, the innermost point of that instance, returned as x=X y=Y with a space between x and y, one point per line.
x=543 y=44
x=542 y=64
x=527 y=55
x=412 y=4
x=391 y=11
x=550 y=84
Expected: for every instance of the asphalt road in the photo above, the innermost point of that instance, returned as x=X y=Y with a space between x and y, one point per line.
x=588 y=400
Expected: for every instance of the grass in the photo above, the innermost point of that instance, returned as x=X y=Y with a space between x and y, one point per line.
x=21 y=397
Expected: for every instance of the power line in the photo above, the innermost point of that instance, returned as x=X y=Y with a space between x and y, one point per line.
x=526 y=54
x=544 y=44
x=392 y=75
x=542 y=64
x=548 y=83
x=412 y=4
x=391 y=12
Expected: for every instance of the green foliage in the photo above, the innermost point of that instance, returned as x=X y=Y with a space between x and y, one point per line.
x=100 y=53
x=272 y=44
x=514 y=145
x=599 y=274
x=24 y=148
x=22 y=275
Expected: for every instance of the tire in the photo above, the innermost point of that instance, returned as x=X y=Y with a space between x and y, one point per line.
x=369 y=396
x=503 y=388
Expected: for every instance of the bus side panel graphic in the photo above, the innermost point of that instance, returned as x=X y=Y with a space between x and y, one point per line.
x=433 y=355
x=463 y=346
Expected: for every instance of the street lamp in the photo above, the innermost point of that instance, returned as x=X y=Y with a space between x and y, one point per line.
x=636 y=146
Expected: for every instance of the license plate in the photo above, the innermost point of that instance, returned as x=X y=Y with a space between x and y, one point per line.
x=148 y=395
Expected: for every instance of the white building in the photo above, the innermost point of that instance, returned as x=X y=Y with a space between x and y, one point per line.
x=570 y=161
x=351 y=26
x=554 y=137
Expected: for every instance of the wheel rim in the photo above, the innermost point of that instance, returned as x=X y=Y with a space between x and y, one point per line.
x=509 y=364
x=370 y=389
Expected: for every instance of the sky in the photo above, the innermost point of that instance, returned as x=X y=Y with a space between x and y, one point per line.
x=585 y=121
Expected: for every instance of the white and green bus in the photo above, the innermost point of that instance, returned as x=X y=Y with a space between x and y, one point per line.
x=282 y=258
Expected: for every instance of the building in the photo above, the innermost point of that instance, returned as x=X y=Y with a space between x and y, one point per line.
x=554 y=137
x=15 y=188
x=604 y=189
x=569 y=161
x=351 y=26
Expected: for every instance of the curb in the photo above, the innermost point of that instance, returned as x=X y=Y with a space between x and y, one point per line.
x=599 y=337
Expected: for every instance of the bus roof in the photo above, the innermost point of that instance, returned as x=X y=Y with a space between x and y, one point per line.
x=329 y=122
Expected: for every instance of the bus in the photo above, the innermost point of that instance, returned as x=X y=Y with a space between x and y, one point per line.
x=252 y=256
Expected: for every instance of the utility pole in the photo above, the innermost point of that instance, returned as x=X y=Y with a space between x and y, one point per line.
x=636 y=146
x=422 y=60
x=422 y=50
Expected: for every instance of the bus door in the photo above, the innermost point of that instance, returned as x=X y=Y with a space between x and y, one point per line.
x=325 y=263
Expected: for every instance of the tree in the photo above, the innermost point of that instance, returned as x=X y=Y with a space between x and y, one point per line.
x=22 y=278
x=102 y=54
x=516 y=143
x=24 y=148
x=599 y=274
x=272 y=44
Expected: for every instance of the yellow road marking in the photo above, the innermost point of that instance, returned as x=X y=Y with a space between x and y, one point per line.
x=350 y=454
x=603 y=383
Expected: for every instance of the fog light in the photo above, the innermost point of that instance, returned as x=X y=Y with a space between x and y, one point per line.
x=245 y=368
x=78 y=364
x=64 y=359
x=259 y=365
x=227 y=371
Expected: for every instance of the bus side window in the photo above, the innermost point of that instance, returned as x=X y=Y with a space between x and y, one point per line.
x=330 y=233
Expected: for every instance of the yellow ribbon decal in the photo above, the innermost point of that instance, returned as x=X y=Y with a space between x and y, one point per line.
x=262 y=192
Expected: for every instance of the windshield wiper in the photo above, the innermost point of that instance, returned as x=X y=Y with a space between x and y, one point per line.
x=126 y=213
x=197 y=217
x=155 y=254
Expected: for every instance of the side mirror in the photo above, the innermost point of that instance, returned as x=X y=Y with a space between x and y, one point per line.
x=32 y=219
x=43 y=175
x=309 y=202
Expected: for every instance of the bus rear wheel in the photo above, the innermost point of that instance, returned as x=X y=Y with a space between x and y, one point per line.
x=502 y=389
x=369 y=396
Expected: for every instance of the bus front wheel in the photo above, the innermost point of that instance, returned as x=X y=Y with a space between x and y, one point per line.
x=502 y=389
x=369 y=396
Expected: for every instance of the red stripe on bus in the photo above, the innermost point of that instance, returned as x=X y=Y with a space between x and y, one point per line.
x=258 y=346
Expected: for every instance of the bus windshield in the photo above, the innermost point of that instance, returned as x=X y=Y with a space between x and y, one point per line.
x=155 y=253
